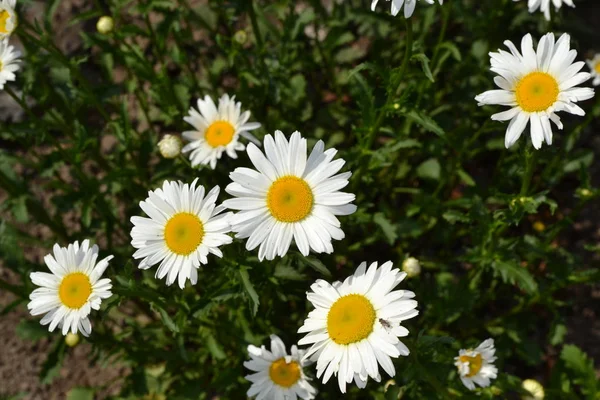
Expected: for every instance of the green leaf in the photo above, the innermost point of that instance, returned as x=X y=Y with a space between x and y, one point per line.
x=249 y=289
x=583 y=367
x=453 y=216
x=386 y=226
x=215 y=349
x=53 y=363
x=284 y=271
x=426 y=122
x=80 y=394
x=429 y=169
x=558 y=334
x=466 y=178
x=513 y=273
x=317 y=266
x=422 y=58
x=167 y=319
x=31 y=330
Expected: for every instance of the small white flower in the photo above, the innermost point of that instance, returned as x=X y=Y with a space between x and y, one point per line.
x=289 y=197
x=536 y=85
x=277 y=375
x=217 y=130
x=477 y=366
x=409 y=6
x=594 y=65
x=72 y=289
x=9 y=59
x=170 y=146
x=105 y=24
x=544 y=5
x=534 y=388
x=8 y=17
x=183 y=228
x=412 y=267
x=356 y=324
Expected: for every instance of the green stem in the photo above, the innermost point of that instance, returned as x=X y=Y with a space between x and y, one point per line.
x=432 y=380
x=255 y=28
x=529 y=167
x=395 y=85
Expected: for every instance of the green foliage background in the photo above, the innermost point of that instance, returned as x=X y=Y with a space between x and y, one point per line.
x=431 y=174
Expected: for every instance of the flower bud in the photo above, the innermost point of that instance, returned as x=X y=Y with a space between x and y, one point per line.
x=240 y=36
x=105 y=25
x=72 y=339
x=539 y=226
x=170 y=146
x=535 y=388
x=412 y=267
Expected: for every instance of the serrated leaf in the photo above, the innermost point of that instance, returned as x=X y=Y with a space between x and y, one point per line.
x=583 y=367
x=214 y=347
x=249 y=289
x=453 y=216
x=515 y=274
x=284 y=271
x=167 y=319
x=424 y=60
x=426 y=122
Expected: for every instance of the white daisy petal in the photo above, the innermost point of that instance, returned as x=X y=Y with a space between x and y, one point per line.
x=353 y=328
x=536 y=84
x=67 y=295
x=184 y=226
x=289 y=197
x=408 y=5
x=476 y=366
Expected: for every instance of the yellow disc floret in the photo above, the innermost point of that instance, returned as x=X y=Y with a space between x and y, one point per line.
x=350 y=319
x=219 y=133
x=597 y=67
x=283 y=373
x=74 y=290
x=4 y=16
x=290 y=199
x=537 y=91
x=475 y=364
x=184 y=233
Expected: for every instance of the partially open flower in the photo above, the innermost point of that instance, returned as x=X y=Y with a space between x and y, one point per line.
x=170 y=146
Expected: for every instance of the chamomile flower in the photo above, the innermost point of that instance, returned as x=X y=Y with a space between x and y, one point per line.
x=183 y=228
x=476 y=366
x=67 y=294
x=8 y=17
x=356 y=324
x=9 y=58
x=289 y=197
x=594 y=65
x=409 y=6
x=536 y=85
x=217 y=130
x=277 y=375
x=544 y=5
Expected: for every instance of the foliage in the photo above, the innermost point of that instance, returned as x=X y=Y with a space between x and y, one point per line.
x=430 y=172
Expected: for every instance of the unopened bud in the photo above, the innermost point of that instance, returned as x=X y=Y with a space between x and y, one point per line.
x=240 y=36
x=412 y=267
x=535 y=388
x=539 y=226
x=170 y=146
x=72 y=339
x=105 y=24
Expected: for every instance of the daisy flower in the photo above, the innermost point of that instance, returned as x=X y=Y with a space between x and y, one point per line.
x=356 y=324
x=544 y=5
x=67 y=294
x=9 y=58
x=476 y=366
x=217 y=130
x=289 y=197
x=594 y=65
x=536 y=85
x=8 y=17
x=409 y=6
x=184 y=226
x=277 y=375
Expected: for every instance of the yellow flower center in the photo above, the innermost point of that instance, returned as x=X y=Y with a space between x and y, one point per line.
x=219 y=133
x=290 y=199
x=475 y=364
x=537 y=91
x=75 y=290
x=350 y=319
x=597 y=67
x=4 y=17
x=284 y=374
x=184 y=233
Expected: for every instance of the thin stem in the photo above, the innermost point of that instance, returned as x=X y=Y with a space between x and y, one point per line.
x=255 y=28
x=529 y=167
